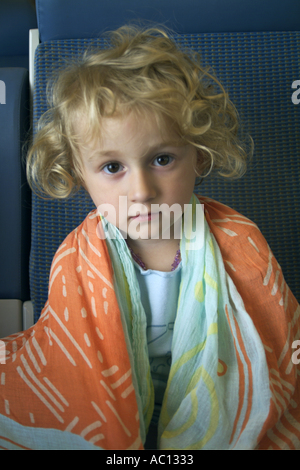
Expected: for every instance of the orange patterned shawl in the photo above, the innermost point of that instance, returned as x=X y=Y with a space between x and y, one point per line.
x=70 y=381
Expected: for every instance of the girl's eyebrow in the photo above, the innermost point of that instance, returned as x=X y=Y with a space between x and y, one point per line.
x=102 y=154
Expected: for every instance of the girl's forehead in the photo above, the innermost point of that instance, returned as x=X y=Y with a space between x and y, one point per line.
x=123 y=128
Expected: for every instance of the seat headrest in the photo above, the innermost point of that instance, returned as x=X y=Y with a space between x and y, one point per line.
x=71 y=19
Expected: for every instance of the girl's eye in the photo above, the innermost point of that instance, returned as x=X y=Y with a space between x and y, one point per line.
x=112 y=168
x=163 y=160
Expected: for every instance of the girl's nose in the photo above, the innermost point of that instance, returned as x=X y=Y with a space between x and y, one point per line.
x=141 y=186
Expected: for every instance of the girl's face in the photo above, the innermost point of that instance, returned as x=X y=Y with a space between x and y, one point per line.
x=134 y=166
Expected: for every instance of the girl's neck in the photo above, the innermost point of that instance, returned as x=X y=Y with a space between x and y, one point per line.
x=157 y=256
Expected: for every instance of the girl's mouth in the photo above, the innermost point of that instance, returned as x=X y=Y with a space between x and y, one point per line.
x=150 y=216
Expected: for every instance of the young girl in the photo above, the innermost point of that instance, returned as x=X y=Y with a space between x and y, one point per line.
x=151 y=336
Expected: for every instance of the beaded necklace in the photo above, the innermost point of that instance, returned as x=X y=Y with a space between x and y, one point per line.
x=141 y=263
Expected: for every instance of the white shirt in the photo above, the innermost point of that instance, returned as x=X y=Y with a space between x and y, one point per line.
x=159 y=296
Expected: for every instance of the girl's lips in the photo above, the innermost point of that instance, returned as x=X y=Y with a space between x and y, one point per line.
x=146 y=217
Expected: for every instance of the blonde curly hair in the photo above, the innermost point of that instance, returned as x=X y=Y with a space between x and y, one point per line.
x=141 y=71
